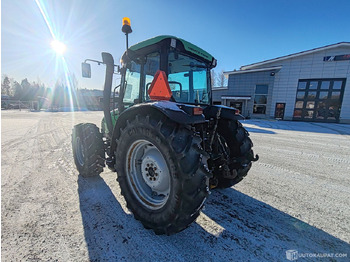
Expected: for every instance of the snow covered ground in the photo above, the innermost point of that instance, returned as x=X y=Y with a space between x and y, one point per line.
x=296 y=197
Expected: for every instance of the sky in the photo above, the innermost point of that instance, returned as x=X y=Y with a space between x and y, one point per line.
x=236 y=32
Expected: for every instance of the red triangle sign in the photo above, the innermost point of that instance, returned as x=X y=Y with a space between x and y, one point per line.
x=159 y=89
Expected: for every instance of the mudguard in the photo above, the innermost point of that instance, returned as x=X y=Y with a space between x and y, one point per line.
x=179 y=113
x=229 y=113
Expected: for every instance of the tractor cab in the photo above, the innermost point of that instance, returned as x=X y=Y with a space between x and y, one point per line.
x=166 y=68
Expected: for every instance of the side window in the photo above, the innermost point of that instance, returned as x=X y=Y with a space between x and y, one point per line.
x=150 y=68
x=132 y=79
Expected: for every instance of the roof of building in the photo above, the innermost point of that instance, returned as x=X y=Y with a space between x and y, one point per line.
x=271 y=68
x=251 y=66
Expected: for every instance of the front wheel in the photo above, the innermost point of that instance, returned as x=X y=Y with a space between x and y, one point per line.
x=238 y=147
x=88 y=149
x=160 y=173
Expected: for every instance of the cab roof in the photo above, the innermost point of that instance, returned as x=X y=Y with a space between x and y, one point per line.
x=187 y=45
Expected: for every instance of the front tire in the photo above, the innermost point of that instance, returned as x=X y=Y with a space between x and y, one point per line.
x=239 y=146
x=160 y=173
x=88 y=150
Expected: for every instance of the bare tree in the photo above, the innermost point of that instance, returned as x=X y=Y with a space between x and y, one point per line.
x=213 y=78
x=222 y=80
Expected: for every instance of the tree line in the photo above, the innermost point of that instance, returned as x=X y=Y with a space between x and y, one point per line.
x=57 y=96
x=25 y=90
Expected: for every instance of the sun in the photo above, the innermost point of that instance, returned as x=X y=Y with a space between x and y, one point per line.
x=58 y=47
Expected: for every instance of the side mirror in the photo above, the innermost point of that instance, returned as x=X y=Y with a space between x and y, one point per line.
x=86 y=70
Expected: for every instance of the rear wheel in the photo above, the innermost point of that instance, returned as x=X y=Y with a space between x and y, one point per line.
x=149 y=178
x=160 y=173
x=238 y=146
x=88 y=150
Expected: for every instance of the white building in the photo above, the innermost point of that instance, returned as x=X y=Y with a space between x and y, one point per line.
x=313 y=85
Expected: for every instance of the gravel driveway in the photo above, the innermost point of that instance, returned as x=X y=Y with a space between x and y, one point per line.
x=294 y=199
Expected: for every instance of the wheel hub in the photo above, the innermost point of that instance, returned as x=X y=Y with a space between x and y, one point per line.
x=148 y=174
x=153 y=172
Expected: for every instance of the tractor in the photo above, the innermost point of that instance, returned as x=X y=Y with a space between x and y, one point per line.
x=162 y=135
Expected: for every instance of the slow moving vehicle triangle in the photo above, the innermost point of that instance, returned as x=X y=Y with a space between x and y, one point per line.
x=160 y=89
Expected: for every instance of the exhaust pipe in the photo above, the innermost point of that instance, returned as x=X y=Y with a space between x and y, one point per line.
x=108 y=60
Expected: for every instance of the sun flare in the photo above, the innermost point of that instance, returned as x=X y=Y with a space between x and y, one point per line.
x=58 y=47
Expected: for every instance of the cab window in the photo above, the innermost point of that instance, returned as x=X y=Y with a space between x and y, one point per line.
x=132 y=83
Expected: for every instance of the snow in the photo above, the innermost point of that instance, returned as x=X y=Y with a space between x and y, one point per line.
x=296 y=197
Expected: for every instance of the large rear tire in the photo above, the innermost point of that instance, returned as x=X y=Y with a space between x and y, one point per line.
x=160 y=173
x=239 y=146
x=88 y=150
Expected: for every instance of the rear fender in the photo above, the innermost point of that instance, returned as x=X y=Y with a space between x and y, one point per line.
x=229 y=113
x=179 y=113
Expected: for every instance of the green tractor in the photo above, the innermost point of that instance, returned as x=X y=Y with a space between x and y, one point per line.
x=161 y=133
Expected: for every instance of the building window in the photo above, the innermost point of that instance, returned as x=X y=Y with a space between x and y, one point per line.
x=319 y=100
x=260 y=99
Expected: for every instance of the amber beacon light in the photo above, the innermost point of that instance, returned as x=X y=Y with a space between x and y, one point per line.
x=126 y=28
x=126 y=25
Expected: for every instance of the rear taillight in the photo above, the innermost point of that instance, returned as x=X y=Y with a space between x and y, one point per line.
x=197 y=111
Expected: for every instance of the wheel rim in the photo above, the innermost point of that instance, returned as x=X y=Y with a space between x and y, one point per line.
x=79 y=149
x=148 y=174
